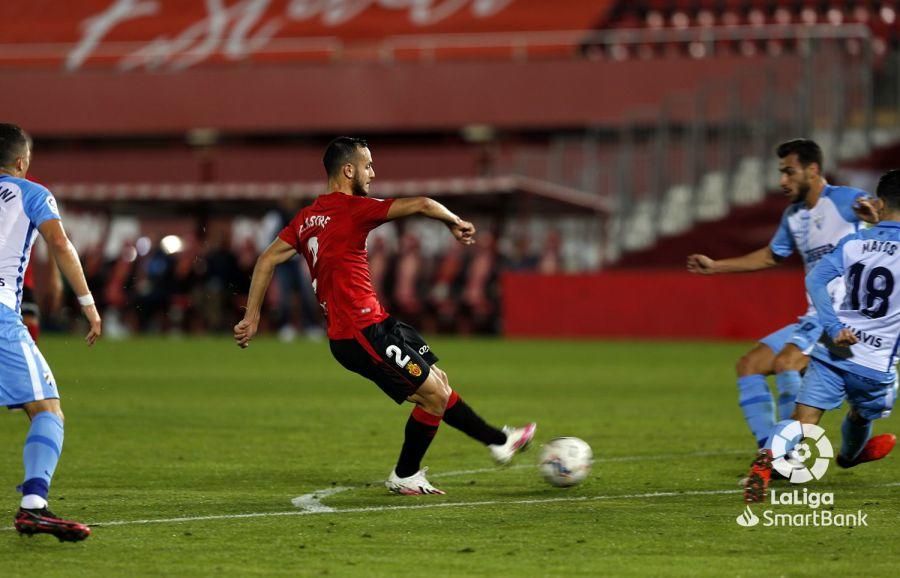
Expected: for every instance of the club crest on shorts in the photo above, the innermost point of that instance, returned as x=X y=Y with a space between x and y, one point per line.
x=414 y=369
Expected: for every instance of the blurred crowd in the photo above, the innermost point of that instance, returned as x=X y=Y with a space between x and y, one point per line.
x=197 y=281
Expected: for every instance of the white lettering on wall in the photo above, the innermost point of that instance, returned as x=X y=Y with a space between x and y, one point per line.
x=246 y=27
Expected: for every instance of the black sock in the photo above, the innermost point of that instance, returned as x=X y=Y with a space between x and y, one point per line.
x=459 y=415
x=420 y=430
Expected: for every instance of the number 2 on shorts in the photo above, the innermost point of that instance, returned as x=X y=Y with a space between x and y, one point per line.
x=395 y=352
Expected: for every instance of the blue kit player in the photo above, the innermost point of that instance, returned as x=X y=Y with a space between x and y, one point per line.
x=856 y=359
x=818 y=217
x=26 y=381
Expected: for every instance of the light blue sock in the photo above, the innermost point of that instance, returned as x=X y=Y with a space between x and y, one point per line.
x=788 y=384
x=854 y=436
x=758 y=406
x=42 y=448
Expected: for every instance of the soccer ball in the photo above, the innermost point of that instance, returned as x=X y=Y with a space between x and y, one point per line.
x=566 y=461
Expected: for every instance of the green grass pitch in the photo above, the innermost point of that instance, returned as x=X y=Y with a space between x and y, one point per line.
x=199 y=430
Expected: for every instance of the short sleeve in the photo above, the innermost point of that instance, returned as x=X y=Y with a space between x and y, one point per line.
x=782 y=244
x=368 y=212
x=39 y=204
x=844 y=198
x=290 y=234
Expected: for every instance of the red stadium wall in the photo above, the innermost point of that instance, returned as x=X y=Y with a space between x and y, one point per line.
x=651 y=304
x=363 y=97
x=239 y=29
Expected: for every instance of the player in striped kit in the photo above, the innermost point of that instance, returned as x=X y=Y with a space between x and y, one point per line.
x=819 y=216
x=26 y=209
x=857 y=356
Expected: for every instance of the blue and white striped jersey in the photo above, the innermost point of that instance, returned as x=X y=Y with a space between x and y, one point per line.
x=24 y=206
x=868 y=265
x=815 y=232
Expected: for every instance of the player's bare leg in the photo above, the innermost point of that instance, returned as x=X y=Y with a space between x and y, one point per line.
x=35 y=407
x=790 y=358
x=759 y=360
x=807 y=414
x=433 y=395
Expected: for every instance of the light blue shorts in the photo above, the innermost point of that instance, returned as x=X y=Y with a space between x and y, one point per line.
x=24 y=373
x=804 y=334
x=825 y=387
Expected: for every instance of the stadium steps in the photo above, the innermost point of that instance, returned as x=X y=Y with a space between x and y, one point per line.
x=744 y=229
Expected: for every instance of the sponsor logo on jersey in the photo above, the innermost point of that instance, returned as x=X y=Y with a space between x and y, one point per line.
x=866 y=338
x=814 y=255
x=414 y=369
x=424 y=349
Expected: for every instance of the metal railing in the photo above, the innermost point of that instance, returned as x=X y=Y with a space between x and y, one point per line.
x=699 y=153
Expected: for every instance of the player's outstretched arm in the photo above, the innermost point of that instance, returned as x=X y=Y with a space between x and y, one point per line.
x=275 y=254
x=463 y=231
x=755 y=261
x=66 y=258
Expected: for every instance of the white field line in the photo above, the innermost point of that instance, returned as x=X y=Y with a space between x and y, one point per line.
x=322 y=509
x=311 y=501
x=414 y=507
x=649 y=495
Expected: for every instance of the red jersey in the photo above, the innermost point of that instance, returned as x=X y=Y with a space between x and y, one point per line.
x=29 y=277
x=331 y=235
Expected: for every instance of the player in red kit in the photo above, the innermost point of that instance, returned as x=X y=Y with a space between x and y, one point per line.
x=331 y=235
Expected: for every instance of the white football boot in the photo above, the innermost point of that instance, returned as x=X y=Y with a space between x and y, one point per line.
x=414 y=485
x=517 y=440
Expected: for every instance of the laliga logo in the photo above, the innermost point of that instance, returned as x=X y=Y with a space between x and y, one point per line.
x=797 y=433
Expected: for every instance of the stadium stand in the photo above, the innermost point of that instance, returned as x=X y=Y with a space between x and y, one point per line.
x=580 y=137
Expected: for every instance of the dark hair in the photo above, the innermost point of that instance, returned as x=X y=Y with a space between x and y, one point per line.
x=341 y=151
x=889 y=189
x=14 y=142
x=807 y=151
